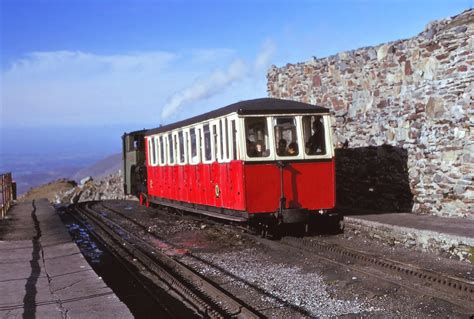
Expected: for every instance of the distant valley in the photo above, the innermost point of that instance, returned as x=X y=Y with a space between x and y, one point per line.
x=31 y=170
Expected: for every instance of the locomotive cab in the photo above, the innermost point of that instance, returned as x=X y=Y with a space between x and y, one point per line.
x=134 y=168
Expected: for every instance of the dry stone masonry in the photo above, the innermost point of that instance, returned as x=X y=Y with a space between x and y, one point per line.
x=405 y=112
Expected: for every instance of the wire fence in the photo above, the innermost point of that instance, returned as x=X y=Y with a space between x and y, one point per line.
x=6 y=193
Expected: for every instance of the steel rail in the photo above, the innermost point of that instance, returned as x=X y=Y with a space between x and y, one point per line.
x=122 y=215
x=455 y=290
x=209 y=300
x=121 y=256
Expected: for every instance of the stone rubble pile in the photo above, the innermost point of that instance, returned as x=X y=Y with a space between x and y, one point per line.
x=414 y=95
x=109 y=187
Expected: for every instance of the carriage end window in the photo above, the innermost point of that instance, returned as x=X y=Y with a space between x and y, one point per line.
x=314 y=135
x=286 y=139
x=256 y=135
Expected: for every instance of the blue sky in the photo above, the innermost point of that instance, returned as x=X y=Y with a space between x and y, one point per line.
x=123 y=65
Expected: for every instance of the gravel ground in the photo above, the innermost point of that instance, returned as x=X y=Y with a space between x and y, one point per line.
x=282 y=285
x=288 y=283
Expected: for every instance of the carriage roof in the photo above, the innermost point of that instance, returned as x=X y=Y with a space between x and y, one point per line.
x=249 y=107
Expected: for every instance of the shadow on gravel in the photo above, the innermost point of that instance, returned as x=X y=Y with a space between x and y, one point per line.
x=373 y=179
x=318 y=226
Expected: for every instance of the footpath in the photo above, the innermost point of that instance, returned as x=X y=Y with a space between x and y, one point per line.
x=44 y=275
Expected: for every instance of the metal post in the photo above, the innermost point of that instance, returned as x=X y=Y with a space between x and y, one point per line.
x=6 y=193
x=2 y=209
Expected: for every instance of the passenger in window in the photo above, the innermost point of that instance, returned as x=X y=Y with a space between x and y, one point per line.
x=281 y=149
x=256 y=149
x=292 y=149
x=251 y=148
x=315 y=143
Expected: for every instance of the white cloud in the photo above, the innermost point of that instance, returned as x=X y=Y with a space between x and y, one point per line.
x=82 y=88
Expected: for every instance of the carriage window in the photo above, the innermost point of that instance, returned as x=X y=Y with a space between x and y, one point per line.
x=162 y=150
x=221 y=138
x=170 y=148
x=194 y=146
x=182 y=155
x=153 y=151
x=149 y=151
x=215 y=140
x=286 y=139
x=314 y=137
x=207 y=143
x=226 y=136
x=234 y=140
x=256 y=134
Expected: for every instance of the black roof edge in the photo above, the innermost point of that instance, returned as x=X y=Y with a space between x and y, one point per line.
x=143 y=131
x=247 y=107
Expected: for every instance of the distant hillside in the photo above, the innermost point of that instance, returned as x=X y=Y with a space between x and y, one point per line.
x=102 y=168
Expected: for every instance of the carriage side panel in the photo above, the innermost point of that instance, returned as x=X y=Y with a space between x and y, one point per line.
x=309 y=185
x=216 y=184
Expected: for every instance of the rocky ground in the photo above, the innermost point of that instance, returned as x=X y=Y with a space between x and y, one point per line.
x=109 y=187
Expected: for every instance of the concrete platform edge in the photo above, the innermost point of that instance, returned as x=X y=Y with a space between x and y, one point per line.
x=446 y=245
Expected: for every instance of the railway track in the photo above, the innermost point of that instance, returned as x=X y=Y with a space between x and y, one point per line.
x=199 y=294
x=455 y=290
x=452 y=289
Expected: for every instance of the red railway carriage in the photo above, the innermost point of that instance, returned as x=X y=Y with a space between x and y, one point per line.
x=264 y=159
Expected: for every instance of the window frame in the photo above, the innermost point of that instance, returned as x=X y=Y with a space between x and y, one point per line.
x=197 y=134
x=155 y=159
x=148 y=144
x=178 y=146
x=243 y=138
x=215 y=140
x=170 y=160
x=299 y=138
x=271 y=133
x=328 y=139
x=203 y=140
x=175 y=142
x=234 y=155
x=228 y=140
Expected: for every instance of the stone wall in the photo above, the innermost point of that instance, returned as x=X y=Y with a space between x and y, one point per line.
x=414 y=95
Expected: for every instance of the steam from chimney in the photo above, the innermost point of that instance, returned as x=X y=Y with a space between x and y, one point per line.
x=219 y=80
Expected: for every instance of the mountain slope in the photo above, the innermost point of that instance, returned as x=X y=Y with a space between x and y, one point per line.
x=102 y=168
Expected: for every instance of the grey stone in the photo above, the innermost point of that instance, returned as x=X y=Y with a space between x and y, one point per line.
x=86 y=180
x=461 y=28
x=372 y=54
